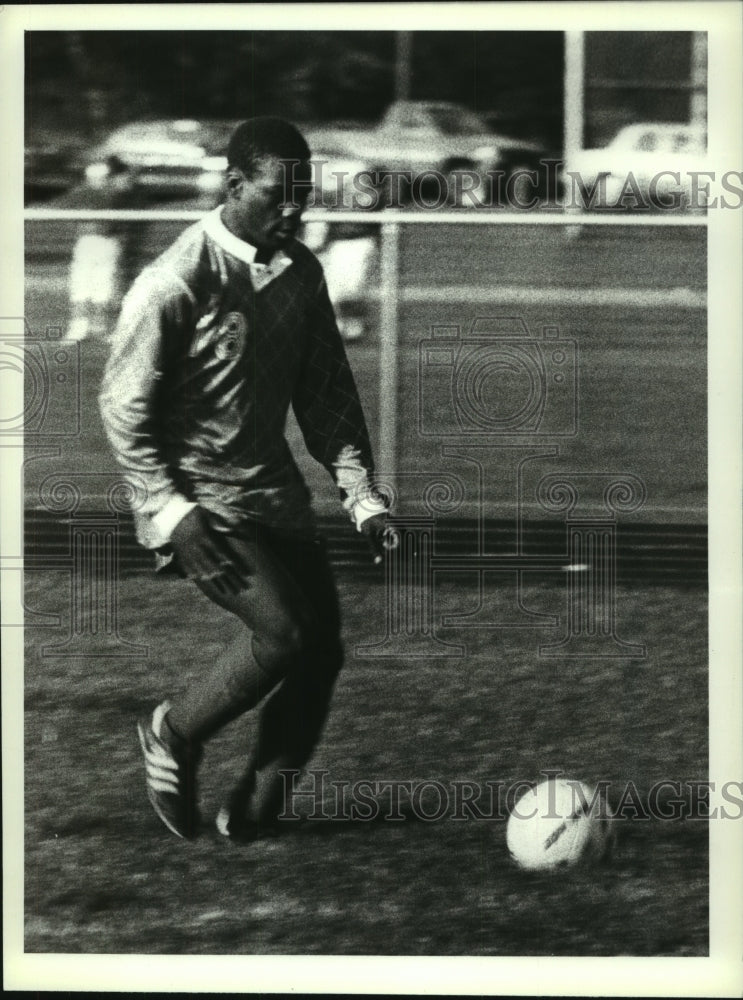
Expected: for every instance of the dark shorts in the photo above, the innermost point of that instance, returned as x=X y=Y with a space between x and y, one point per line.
x=166 y=562
x=290 y=580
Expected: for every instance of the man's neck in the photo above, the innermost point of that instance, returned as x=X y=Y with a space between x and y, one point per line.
x=218 y=224
x=262 y=255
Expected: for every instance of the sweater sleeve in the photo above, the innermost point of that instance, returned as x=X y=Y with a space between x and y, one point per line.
x=328 y=410
x=155 y=309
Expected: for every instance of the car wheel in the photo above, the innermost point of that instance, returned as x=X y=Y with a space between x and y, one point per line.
x=466 y=185
x=391 y=191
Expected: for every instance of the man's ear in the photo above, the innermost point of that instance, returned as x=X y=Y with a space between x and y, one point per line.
x=235 y=180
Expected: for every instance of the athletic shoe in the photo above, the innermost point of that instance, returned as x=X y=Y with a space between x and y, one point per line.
x=234 y=820
x=171 y=776
x=225 y=825
x=242 y=831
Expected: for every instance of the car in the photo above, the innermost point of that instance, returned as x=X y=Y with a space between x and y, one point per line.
x=647 y=164
x=416 y=139
x=165 y=159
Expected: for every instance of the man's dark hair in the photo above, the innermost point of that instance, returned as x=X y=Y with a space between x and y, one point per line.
x=257 y=138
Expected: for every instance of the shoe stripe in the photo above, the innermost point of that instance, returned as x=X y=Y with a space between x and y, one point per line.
x=157 y=765
x=160 y=758
x=157 y=717
x=162 y=786
x=165 y=776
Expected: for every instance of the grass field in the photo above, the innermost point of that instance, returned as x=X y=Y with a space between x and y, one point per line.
x=103 y=876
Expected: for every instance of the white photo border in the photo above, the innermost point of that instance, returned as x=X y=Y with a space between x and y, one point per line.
x=720 y=974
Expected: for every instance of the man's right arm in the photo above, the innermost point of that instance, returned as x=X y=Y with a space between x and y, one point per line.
x=152 y=314
x=155 y=315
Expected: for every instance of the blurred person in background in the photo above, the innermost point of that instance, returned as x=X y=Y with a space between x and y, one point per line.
x=350 y=260
x=95 y=283
x=348 y=250
x=216 y=339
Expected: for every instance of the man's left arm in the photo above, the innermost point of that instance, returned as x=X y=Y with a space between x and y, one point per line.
x=328 y=409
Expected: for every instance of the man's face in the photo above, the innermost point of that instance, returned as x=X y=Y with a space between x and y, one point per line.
x=266 y=209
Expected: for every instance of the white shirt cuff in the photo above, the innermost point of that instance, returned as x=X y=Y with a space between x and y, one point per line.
x=365 y=509
x=172 y=514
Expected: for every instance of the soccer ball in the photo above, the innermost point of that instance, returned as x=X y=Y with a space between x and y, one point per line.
x=558 y=823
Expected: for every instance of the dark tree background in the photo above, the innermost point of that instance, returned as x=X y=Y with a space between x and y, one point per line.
x=79 y=85
x=88 y=82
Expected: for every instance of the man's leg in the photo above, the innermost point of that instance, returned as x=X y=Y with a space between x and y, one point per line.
x=292 y=719
x=279 y=623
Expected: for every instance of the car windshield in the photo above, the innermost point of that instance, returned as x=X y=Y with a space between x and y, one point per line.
x=457 y=121
x=186 y=138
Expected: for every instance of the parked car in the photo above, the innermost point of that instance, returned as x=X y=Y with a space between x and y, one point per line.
x=166 y=159
x=417 y=137
x=641 y=159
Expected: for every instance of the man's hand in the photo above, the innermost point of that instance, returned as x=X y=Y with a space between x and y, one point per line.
x=204 y=554
x=381 y=536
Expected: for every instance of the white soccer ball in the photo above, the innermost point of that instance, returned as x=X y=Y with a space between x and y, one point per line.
x=558 y=823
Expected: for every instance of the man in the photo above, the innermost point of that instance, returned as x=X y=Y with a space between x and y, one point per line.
x=216 y=339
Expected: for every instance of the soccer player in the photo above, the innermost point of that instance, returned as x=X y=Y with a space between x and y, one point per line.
x=216 y=339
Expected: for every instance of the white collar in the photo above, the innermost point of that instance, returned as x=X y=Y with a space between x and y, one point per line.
x=241 y=249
